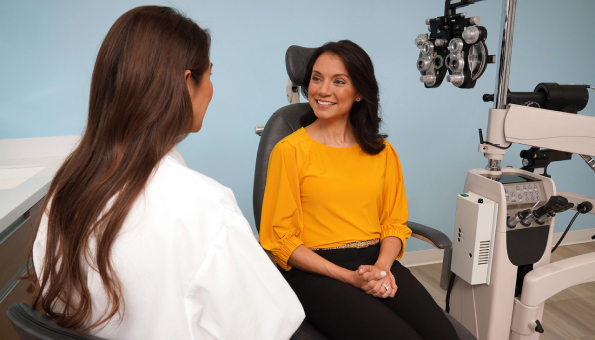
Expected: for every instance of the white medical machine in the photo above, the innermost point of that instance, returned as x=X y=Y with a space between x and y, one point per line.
x=505 y=217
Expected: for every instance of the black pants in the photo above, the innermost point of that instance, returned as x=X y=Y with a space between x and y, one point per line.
x=343 y=312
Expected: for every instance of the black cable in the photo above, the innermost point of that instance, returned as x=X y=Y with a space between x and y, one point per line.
x=498 y=146
x=566 y=231
x=481 y=141
x=451 y=282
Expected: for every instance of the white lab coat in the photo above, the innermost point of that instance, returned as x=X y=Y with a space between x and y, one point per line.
x=190 y=267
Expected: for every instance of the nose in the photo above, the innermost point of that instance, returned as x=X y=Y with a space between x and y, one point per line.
x=325 y=89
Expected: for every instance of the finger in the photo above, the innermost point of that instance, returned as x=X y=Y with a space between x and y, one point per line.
x=369 y=285
x=393 y=292
x=364 y=268
x=378 y=289
x=393 y=282
x=374 y=289
x=369 y=276
x=387 y=293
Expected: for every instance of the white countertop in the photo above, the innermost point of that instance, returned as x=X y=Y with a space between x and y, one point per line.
x=39 y=157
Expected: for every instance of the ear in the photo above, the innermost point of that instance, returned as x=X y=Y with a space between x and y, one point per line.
x=189 y=81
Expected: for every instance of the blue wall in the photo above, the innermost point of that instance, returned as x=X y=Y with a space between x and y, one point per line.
x=47 y=51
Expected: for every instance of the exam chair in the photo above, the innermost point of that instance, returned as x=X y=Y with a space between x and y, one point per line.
x=282 y=123
x=32 y=324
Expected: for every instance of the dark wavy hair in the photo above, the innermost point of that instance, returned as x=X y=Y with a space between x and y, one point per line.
x=364 y=116
x=139 y=109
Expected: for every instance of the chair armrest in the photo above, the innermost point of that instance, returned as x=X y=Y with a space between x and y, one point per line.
x=430 y=235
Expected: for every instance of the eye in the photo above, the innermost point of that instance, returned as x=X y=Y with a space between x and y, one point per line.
x=340 y=82
x=316 y=78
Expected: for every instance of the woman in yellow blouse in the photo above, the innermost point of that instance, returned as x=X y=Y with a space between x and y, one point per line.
x=334 y=212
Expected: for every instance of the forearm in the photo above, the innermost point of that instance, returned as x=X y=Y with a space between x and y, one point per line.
x=307 y=260
x=390 y=247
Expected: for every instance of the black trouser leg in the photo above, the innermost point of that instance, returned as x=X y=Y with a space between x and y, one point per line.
x=344 y=312
x=415 y=305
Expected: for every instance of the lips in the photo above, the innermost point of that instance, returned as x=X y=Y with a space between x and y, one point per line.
x=324 y=103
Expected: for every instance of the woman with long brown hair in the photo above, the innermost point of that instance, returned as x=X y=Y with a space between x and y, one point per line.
x=133 y=244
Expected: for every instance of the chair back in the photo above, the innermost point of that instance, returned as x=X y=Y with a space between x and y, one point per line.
x=282 y=123
x=32 y=324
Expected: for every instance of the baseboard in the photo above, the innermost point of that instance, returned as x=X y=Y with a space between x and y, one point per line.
x=423 y=257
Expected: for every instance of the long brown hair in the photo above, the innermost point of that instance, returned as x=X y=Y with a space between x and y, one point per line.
x=139 y=109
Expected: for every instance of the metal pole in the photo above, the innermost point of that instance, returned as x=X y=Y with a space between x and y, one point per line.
x=508 y=14
x=501 y=92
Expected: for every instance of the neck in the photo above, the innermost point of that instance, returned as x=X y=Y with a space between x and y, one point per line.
x=336 y=132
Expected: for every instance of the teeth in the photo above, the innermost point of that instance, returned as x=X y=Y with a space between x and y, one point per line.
x=324 y=103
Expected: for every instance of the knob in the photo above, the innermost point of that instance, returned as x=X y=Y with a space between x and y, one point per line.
x=429 y=21
x=474 y=20
x=428 y=79
x=455 y=79
x=422 y=38
x=440 y=42
x=538 y=327
x=471 y=34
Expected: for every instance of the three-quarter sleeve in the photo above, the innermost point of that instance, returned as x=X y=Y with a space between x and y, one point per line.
x=393 y=219
x=281 y=223
x=235 y=277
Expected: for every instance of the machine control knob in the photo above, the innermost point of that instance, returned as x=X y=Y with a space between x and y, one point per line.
x=513 y=220
x=440 y=42
x=471 y=35
x=428 y=79
x=429 y=21
x=538 y=327
x=455 y=79
x=474 y=20
x=422 y=38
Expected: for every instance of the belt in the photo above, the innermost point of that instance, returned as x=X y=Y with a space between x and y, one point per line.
x=356 y=244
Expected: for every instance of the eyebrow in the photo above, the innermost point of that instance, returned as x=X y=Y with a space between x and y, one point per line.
x=336 y=75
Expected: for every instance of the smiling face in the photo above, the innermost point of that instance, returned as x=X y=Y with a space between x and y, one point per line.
x=331 y=92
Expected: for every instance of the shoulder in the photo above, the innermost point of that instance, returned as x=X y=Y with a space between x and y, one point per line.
x=190 y=192
x=389 y=150
x=297 y=140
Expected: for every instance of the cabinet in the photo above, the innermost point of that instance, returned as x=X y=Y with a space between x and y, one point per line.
x=15 y=243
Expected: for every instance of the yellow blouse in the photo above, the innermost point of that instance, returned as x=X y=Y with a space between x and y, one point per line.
x=324 y=197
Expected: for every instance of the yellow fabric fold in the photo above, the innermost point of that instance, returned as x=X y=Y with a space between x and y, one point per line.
x=282 y=253
x=401 y=232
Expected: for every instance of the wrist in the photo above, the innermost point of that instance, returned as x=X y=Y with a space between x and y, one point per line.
x=345 y=276
x=385 y=265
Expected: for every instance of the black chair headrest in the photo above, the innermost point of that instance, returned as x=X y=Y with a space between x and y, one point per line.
x=296 y=61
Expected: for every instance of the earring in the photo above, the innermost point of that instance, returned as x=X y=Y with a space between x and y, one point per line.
x=359 y=99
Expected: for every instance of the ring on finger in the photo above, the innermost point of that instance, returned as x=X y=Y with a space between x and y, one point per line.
x=386 y=286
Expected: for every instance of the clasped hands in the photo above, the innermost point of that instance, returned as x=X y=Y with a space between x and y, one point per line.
x=371 y=279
